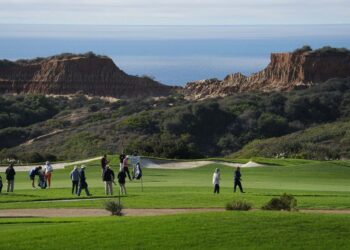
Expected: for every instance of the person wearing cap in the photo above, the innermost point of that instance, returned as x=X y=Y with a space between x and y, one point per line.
x=10 y=177
x=74 y=176
x=108 y=178
x=48 y=172
x=32 y=173
x=216 y=181
x=82 y=182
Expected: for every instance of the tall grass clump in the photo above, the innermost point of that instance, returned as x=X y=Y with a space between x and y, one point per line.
x=285 y=202
x=115 y=207
x=238 y=205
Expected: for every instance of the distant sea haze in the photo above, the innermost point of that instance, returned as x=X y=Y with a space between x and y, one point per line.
x=174 y=55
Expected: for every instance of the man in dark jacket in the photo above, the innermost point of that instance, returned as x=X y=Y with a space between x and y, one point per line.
x=121 y=181
x=82 y=182
x=104 y=163
x=237 y=180
x=108 y=178
x=10 y=177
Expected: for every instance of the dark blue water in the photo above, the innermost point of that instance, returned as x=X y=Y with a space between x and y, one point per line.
x=179 y=58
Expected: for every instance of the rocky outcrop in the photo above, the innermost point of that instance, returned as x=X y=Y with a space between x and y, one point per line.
x=286 y=71
x=70 y=73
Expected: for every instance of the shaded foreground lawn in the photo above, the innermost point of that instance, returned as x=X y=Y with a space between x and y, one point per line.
x=216 y=230
x=315 y=185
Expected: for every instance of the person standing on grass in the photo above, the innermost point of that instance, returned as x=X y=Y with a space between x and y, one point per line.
x=121 y=160
x=48 y=173
x=82 y=182
x=104 y=163
x=216 y=181
x=108 y=177
x=74 y=176
x=10 y=177
x=237 y=180
x=125 y=167
x=0 y=184
x=32 y=173
x=121 y=180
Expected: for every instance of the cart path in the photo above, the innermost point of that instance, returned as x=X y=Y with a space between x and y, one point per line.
x=86 y=212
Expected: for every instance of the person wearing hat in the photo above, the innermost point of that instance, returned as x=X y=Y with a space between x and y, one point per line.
x=33 y=172
x=216 y=181
x=48 y=172
x=74 y=176
x=82 y=182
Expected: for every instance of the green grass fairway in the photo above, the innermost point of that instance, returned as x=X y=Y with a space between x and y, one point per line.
x=219 y=230
x=315 y=185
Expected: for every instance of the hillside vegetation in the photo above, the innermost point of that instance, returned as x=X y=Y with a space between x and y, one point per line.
x=35 y=127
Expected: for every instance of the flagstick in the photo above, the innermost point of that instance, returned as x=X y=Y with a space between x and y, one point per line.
x=141 y=185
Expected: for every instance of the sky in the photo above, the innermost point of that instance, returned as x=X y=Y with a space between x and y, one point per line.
x=175 y=41
x=175 y=12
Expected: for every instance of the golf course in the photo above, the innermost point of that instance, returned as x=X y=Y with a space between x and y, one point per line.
x=190 y=215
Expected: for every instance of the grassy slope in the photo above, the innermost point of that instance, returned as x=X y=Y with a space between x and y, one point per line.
x=332 y=139
x=220 y=230
x=315 y=184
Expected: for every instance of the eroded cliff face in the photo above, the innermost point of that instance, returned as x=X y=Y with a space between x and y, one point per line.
x=93 y=75
x=286 y=71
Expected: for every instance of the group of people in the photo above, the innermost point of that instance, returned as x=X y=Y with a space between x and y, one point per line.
x=236 y=180
x=44 y=175
x=108 y=175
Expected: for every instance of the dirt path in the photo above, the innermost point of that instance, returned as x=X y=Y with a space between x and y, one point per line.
x=85 y=212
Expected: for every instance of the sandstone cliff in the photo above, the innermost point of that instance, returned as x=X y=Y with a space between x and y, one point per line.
x=70 y=73
x=299 y=69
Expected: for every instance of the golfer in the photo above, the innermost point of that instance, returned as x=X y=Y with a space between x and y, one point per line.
x=121 y=180
x=82 y=182
x=216 y=181
x=237 y=180
x=32 y=173
x=74 y=176
x=10 y=177
x=48 y=172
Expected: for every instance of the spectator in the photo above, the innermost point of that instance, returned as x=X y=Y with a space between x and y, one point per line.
x=74 y=175
x=216 y=181
x=82 y=182
x=108 y=177
x=10 y=177
x=121 y=181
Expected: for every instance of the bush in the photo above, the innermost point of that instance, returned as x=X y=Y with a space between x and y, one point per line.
x=285 y=202
x=238 y=205
x=114 y=207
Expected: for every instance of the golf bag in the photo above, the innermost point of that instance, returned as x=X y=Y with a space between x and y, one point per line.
x=42 y=181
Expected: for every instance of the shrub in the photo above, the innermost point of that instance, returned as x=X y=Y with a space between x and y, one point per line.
x=114 y=207
x=284 y=202
x=238 y=205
